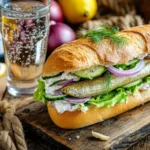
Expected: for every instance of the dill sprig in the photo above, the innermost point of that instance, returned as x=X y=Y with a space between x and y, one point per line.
x=108 y=82
x=106 y=32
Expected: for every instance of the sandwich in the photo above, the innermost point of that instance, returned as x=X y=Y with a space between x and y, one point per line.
x=96 y=77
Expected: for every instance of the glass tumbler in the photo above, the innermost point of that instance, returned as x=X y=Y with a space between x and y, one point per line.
x=24 y=28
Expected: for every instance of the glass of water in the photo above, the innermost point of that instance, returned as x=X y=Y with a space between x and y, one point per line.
x=24 y=28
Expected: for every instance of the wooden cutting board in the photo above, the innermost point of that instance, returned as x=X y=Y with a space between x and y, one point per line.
x=124 y=130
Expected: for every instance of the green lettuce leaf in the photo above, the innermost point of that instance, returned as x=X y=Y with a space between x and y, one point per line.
x=110 y=99
x=128 y=66
x=40 y=92
x=114 y=97
x=119 y=95
x=148 y=79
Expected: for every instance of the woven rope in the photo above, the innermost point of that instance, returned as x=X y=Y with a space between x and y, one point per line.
x=13 y=131
x=118 y=6
x=6 y=142
x=123 y=22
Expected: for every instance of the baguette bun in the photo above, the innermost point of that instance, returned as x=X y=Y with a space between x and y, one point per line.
x=83 y=53
x=79 y=119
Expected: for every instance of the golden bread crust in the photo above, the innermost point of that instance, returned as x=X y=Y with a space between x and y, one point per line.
x=79 y=119
x=83 y=53
x=142 y=30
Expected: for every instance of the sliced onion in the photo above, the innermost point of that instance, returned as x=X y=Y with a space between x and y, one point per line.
x=139 y=66
x=65 y=83
x=73 y=100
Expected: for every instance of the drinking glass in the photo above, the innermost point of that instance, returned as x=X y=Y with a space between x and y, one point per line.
x=24 y=28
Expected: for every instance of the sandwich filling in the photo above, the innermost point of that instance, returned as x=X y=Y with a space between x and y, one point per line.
x=96 y=86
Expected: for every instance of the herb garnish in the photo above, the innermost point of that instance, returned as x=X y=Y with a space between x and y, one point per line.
x=106 y=31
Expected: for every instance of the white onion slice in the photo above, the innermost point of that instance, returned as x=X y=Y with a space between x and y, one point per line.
x=139 y=66
x=73 y=100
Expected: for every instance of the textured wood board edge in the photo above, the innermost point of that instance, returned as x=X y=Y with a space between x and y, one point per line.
x=132 y=138
x=144 y=144
x=51 y=144
x=42 y=138
x=132 y=135
x=47 y=137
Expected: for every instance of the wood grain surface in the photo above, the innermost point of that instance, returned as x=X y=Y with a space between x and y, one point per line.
x=124 y=130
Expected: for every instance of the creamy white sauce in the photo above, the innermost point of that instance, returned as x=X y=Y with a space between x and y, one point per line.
x=69 y=76
x=50 y=90
x=62 y=106
x=65 y=76
x=144 y=86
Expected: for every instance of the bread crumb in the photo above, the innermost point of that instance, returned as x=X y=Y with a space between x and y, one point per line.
x=100 y=136
x=69 y=139
x=78 y=136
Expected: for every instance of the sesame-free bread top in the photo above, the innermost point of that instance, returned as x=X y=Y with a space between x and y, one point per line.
x=83 y=53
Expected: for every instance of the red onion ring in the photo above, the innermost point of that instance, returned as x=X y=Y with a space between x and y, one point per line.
x=73 y=100
x=139 y=66
x=65 y=83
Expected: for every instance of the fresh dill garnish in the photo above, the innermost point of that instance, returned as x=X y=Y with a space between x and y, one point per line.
x=106 y=32
x=108 y=79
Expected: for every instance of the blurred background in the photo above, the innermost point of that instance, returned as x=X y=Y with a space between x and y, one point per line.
x=69 y=18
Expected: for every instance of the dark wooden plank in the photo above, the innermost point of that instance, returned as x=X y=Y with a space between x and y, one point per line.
x=124 y=130
x=144 y=144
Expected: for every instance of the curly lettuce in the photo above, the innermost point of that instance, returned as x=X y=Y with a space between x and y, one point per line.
x=39 y=94
x=114 y=97
x=110 y=99
x=128 y=66
x=147 y=79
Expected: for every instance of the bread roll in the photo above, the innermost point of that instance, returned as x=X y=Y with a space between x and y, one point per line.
x=79 y=119
x=83 y=53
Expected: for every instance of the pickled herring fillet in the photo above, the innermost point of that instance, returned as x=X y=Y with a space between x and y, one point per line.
x=97 y=86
